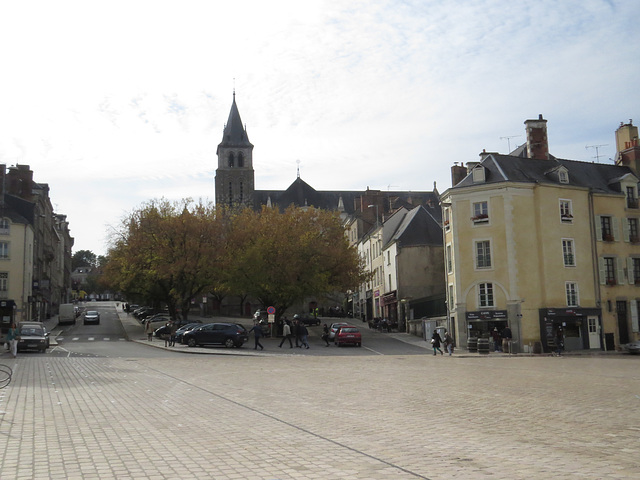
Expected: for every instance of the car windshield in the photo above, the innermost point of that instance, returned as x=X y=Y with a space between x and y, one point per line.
x=31 y=330
x=92 y=313
x=348 y=330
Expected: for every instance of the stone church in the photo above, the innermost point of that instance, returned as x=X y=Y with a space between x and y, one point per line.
x=235 y=184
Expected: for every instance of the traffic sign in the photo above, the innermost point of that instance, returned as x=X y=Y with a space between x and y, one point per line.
x=271 y=310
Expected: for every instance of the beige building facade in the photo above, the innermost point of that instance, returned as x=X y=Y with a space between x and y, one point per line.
x=543 y=246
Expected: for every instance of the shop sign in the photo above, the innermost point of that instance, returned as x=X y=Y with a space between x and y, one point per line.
x=487 y=315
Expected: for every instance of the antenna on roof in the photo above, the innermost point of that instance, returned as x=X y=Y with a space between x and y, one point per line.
x=389 y=187
x=597 y=147
x=298 y=162
x=508 y=139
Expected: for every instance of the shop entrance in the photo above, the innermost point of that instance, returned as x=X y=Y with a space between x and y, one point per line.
x=594 y=332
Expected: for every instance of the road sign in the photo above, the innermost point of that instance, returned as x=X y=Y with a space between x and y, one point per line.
x=271 y=310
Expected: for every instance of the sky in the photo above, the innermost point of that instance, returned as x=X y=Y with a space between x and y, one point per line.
x=116 y=103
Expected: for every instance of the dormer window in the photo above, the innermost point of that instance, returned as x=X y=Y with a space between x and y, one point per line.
x=563 y=175
x=478 y=174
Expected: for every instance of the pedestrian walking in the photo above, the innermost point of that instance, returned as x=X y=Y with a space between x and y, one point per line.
x=172 y=334
x=304 y=334
x=435 y=342
x=286 y=331
x=559 y=341
x=12 y=338
x=148 y=329
x=325 y=334
x=296 y=330
x=257 y=334
x=497 y=340
x=506 y=339
x=166 y=335
x=448 y=342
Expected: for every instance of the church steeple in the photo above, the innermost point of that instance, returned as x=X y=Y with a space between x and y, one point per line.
x=234 y=181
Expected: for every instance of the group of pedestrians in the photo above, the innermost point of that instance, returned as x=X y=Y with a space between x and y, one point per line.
x=298 y=331
x=502 y=339
x=437 y=340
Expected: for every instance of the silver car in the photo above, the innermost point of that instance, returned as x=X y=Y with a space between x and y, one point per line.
x=633 y=347
x=91 y=316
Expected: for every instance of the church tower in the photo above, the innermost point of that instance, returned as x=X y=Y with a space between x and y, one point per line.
x=234 y=182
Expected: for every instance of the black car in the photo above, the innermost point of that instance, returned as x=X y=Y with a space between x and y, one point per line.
x=180 y=324
x=227 y=334
x=32 y=335
x=308 y=319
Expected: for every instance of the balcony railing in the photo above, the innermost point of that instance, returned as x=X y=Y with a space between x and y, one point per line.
x=566 y=217
x=632 y=202
x=480 y=218
x=611 y=281
x=607 y=237
x=634 y=239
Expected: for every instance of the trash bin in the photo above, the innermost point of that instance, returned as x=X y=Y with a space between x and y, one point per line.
x=472 y=344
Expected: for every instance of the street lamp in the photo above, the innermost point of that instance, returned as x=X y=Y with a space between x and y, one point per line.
x=371 y=206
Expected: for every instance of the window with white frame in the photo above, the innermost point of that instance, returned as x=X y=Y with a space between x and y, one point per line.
x=480 y=212
x=4 y=226
x=449 y=260
x=4 y=282
x=483 y=254
x=568 y=254
x=632 y=230
x=447 y=219
x=563 y=175
x=571 y=289
x=485 y=295
x=566 y=212
x=4 y=249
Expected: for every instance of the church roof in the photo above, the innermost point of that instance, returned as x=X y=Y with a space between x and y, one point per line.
x=234 y=135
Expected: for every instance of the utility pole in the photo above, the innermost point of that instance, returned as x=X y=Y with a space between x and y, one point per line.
x=597 y=148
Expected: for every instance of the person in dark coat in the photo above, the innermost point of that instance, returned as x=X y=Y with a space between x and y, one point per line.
x=496 y=340
x=172 y=334
x=296 y=330
x=257 y=334
x=506 y=339
x=448 y=342
x=304 y=334
x=435 y=342
x=325 y=334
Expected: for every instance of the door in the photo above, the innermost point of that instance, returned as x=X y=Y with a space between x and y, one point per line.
x=623 y=329
x=594 y=332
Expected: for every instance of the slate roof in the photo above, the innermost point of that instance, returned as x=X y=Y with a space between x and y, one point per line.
x=599 y=177
x=301 y=194
x=234 y=134
x=419 y=227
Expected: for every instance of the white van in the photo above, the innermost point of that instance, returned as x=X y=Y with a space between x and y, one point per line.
x=67 y=314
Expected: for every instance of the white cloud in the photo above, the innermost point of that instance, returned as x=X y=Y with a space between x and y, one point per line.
x=116 y=103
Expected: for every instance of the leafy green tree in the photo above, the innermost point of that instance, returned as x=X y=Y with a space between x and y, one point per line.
x=167 y=251
x=281 y=258
x=83 y=258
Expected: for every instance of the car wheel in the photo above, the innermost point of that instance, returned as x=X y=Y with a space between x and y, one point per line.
x=192 y=342
x=359 y=344
x=229 y=343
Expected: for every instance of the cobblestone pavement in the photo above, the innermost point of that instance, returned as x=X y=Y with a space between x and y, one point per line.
x=293 y=417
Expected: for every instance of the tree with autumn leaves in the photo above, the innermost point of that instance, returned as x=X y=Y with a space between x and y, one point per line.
x=177 y=251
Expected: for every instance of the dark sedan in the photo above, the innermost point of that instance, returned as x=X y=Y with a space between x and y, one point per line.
x=32 y=335
x=227 y=334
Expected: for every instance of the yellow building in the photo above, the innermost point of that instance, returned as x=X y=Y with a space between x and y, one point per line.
x=544 y=246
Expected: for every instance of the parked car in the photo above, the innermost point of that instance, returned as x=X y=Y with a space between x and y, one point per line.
x=227 y=334
x=184 y=329
x=348 y=335
x=158 y=317
x=309 y=319
x=158 y=332
x=334 y=328
x=633 y=347
x=91 y=316
x=32 y=335
x=143 y=311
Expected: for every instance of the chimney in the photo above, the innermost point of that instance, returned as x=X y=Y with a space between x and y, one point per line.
x=628 y=147
x=458 y=172
x=484 y=154
x=537 y=142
